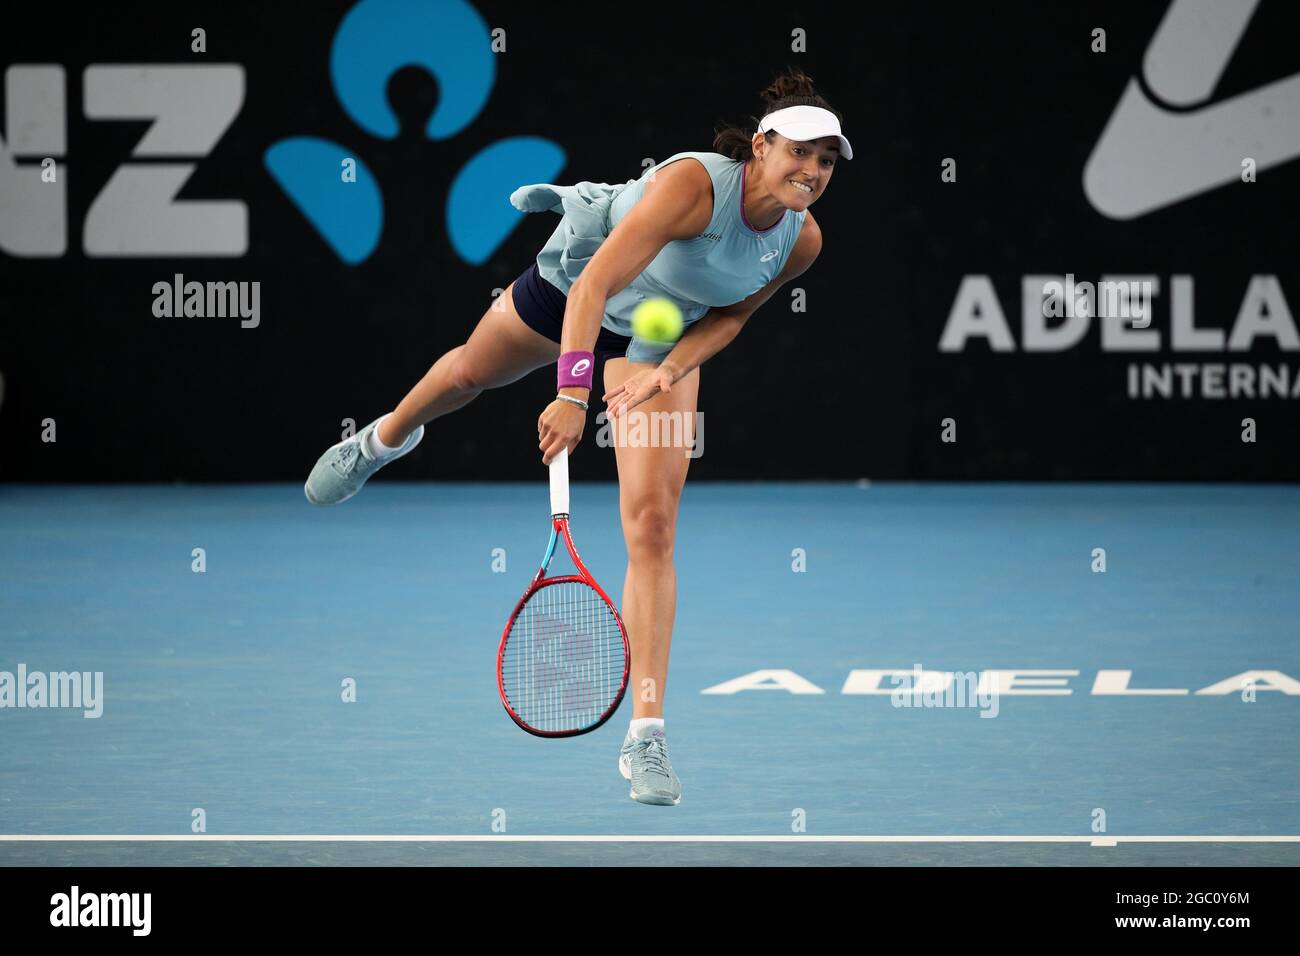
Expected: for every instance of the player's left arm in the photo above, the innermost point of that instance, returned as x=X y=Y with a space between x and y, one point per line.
x=715 y=330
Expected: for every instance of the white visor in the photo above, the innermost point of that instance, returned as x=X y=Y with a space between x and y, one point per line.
x=806 y=123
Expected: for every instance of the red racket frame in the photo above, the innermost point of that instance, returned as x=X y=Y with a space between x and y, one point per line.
x=560 y=529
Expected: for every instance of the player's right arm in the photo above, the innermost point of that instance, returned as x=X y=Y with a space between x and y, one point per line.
x=678 y=204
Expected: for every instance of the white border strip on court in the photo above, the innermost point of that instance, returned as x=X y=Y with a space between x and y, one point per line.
x=543 y=838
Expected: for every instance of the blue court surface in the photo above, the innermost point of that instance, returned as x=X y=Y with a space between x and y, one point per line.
x=222 y=688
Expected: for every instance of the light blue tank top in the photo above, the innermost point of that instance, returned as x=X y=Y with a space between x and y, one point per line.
x=723 y=265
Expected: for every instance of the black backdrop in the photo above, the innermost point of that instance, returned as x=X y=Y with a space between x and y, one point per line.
x=856 y=386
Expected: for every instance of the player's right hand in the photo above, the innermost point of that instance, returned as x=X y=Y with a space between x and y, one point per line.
x=560 y=426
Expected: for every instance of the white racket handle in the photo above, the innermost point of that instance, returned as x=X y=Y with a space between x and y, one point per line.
x=560 y=483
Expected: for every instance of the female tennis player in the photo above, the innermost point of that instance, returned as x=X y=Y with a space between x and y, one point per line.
x=715 y=232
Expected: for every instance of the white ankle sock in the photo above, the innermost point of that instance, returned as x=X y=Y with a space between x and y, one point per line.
x=643 y=727
x=376 y=446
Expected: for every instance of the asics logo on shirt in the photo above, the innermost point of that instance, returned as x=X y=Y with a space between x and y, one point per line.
x=770 y=254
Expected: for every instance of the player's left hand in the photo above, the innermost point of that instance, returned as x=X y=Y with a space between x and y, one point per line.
x=640 y=387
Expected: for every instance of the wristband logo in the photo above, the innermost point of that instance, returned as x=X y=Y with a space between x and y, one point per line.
x=580 y=366
x=374 y=40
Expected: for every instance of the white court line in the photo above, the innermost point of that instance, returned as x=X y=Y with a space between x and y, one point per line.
x=538 y=838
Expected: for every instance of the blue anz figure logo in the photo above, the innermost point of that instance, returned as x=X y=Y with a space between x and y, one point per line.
x=376 y=39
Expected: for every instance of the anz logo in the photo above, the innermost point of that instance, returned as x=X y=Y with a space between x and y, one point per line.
x=192 y=106
x=375 y=39
x=136 y=212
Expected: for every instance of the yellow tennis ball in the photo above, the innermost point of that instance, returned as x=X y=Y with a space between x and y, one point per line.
x=657 y=320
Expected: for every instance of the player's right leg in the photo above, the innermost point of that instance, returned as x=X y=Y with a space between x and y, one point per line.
x=650 y=482
x=501 y=350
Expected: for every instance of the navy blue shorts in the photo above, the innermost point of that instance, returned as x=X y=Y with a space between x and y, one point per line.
x=541 y=306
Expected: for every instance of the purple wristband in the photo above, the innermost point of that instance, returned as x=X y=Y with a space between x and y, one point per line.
x=575 y=368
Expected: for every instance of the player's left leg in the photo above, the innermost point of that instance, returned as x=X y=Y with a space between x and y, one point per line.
x=651 y=476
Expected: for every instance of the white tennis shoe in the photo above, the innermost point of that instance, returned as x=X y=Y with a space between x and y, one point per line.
x=344 y=468
x=645 y=762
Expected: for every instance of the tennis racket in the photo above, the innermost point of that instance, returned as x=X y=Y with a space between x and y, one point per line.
x=563 y=662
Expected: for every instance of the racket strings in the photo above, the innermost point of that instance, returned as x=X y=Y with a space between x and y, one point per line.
x=563 y=663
